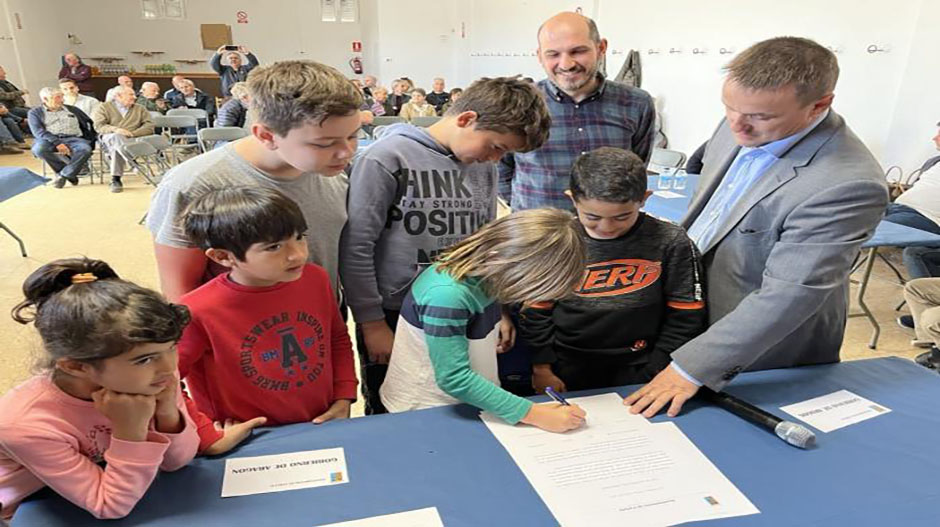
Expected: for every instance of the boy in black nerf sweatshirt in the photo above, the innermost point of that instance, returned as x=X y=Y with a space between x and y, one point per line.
x=641 y=296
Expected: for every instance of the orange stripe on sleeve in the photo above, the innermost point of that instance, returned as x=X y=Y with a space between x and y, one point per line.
x=686 y=305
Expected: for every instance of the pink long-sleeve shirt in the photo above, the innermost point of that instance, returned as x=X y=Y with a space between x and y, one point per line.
x=49 y=438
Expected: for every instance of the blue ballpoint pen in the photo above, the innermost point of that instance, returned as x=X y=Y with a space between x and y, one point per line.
x=549 y=391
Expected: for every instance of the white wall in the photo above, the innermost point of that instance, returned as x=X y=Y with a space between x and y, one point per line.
x=918 y=104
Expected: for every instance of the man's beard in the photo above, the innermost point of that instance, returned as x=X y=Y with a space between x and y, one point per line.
x=572 y=85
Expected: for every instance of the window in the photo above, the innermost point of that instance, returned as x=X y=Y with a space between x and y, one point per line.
x=162 y=9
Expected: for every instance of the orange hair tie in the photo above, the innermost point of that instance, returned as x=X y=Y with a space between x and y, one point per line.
x=83 y=278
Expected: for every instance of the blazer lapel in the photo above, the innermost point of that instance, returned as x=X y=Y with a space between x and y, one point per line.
x=782 y=171
x=716 y=166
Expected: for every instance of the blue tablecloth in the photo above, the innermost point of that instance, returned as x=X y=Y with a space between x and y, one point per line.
x=887 y=234
x=17 y=180
x=881 y=472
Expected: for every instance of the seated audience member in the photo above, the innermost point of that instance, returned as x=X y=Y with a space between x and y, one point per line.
x=61 y=131
x=234 y=71
x=117 y=122
x=923 y=299
x=380 y=103
x=12 y=130
x=398 y=98
x=8 y=144
x=641 y=296
x=258 y=235
x=919 y=207
x=80 y=73
x=417 y=106
x=73 y=97
x=694 y=164
x=124 y=81
x=438 y=97
x=150 y=98
x=454 y=95
x=12 y=97
x=235 y=111
x=175 y=90
x=190 y=97
x=409 y=84
x=369 y=83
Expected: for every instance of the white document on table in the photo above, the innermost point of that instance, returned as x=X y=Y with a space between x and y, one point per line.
x=428 y=517
x=280 y=472
x=836 y=410
x=668 y=194
x=620 y=470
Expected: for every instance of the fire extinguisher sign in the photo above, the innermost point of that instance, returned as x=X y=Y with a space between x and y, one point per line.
x=357 y=46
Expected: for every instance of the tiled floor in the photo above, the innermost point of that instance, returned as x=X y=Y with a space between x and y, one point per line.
x=88 y=220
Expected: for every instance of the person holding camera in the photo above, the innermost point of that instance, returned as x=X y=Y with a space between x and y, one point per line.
x=235 y=71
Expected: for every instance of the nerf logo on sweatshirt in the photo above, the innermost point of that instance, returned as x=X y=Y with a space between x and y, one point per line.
x=618 y=277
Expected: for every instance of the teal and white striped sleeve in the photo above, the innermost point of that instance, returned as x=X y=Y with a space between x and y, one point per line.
x=445 y=312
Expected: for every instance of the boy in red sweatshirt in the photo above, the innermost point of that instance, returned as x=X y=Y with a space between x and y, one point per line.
x=266 y=338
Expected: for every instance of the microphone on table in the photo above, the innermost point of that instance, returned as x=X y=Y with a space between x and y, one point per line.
x=793 y=433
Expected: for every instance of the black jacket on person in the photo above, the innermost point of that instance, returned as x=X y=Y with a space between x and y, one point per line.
x=203 y=102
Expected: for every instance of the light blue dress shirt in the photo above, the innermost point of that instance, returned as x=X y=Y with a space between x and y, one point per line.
x=748 y=167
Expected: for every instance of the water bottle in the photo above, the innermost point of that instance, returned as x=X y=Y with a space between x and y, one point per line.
x=665 y=179
x=680 y=179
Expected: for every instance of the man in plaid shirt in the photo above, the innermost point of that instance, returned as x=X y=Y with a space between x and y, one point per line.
x=587 y=112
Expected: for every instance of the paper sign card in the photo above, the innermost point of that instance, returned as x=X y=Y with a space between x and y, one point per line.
x=668 y=194
x=836 y=410
x=280 y=472
x=418 y=518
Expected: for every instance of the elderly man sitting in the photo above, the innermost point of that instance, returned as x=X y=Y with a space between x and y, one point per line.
x=73 y=97
x=150 y=98
x=190 y=97
x=117 y=121
x=12 y=97
x=61 y=131
x=235 y=111
x=235 y=71
x=123 y=81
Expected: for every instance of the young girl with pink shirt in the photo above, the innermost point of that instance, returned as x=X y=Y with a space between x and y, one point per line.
x=110 y=392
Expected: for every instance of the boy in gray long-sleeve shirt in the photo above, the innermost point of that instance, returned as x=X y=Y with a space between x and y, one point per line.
x=417 y=191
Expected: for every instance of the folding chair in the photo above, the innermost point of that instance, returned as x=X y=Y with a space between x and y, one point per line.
x=145 y=160
x=90 y=166
x=200 y=115
x=662 y=159
x=425 y=122
x=385 y=120
x=172 y=125
x=210 y=137
x=164 y=150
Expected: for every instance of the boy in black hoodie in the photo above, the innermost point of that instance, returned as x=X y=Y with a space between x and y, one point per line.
x=641 y=296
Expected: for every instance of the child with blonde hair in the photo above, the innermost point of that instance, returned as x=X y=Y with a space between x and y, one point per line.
x=447 y=336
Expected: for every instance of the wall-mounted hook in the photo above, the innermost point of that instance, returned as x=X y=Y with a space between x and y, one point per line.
x=652 y=52
x=675 y=50
x=725 y=51
x=875 y=49
x=699 y=51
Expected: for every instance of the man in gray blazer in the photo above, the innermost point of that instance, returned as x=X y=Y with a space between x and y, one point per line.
x=786 y=198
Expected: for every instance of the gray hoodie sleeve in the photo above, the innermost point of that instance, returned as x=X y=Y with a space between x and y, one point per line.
x=372 y=191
